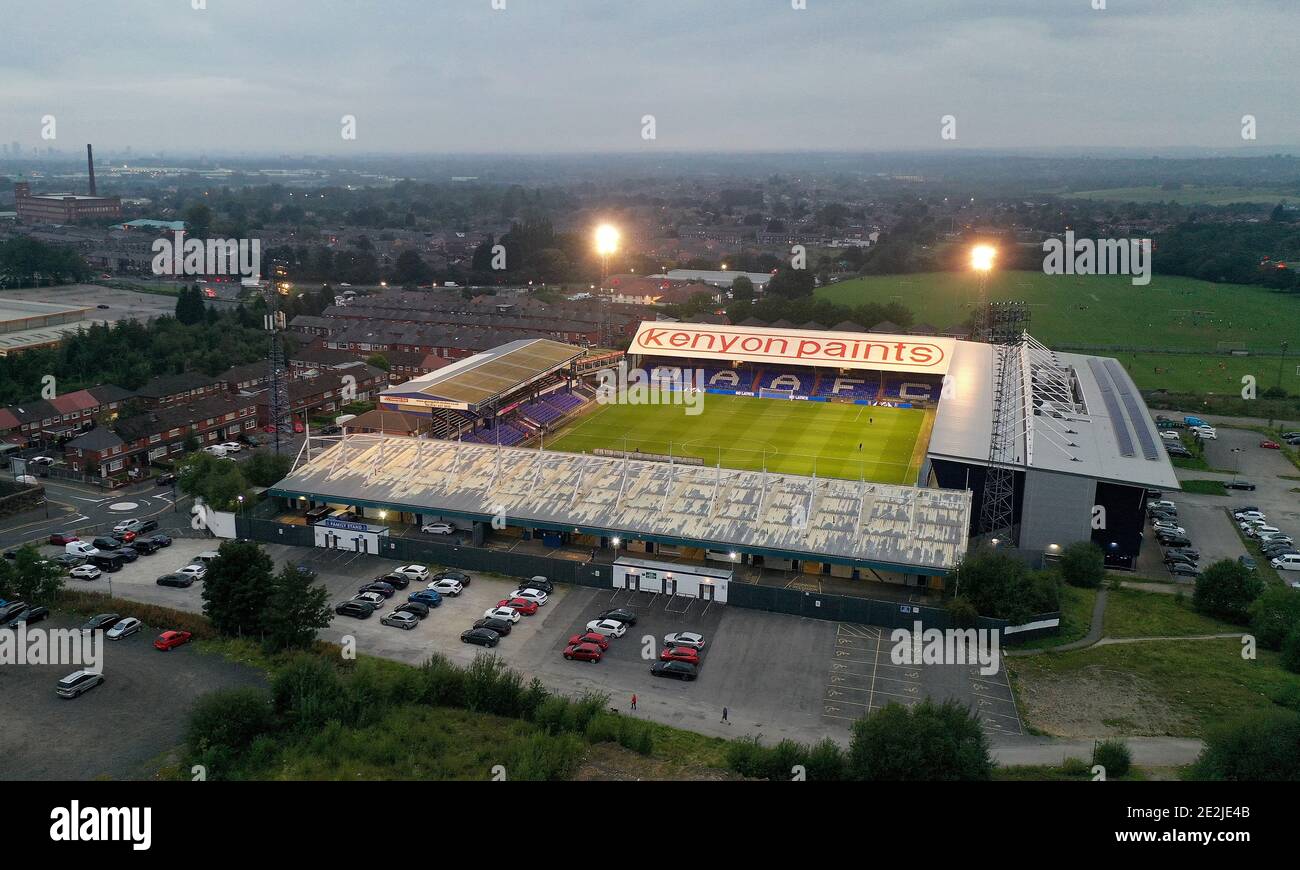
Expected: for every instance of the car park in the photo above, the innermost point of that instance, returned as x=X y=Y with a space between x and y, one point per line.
x=124 y=628
x=452 y=574
x=372 y=598
x=77 y=683
x=685 y=638
x=85 y=572
x=400 y=619
x=415 y=608
x=481 y=636
x=680 y=654
x=590 y=637
x=536 y=596
x=500 y=626
x=607 y=627
x=397 y=581
x=676 y=670
x=355 y=609
x=101 y=622
x=522 y=605
x=169 y=640
x=26 y=616
x=619 y=614
x=427 y=597
x=446 y=587
x=509 y=614
x=418 y=573
x=176 y=581
x=437 y=528
x=385 y=589
x=583 y=652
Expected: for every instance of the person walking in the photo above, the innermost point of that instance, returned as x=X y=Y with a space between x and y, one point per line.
x=724 y=716
x=633 y=701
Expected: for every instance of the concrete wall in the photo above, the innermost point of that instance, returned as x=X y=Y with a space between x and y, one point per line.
x=1057 y=509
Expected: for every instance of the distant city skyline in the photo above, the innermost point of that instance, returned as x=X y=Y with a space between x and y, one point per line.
x=575 y=76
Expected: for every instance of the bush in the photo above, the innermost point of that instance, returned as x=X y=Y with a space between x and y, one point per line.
x=492 y=687
x=223 y=725
x=604 y=728
x=1001 y=586
x=89 y=603
x=1226 y=591
x=444 y=683
x=1291 y=651
x=962 y=612
x=1273 y=615
x=747 y=757
x=1258 y=748
x=826 y=762
x=1083 y=564
x=1113 y=755
x=545 y=757
x=783 y=758
x=1076 y=767
x=308 y=692
x=927 y=742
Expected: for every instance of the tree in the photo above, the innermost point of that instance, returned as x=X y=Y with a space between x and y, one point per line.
x=792 y=283
x=742 y=289
x=1083 y=564
x=1261 y=747
x=1226 y=591
x=265 y=468
x=296 y=610
x=379 y=361
x=410 y=269
x=926 y=742
x=198 y=220
x=34 y=579
x=238 y=588
x=1003 y=587
x=219 y=482
x=1273 y=615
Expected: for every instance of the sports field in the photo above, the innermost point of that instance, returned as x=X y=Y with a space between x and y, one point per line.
x=787 y=436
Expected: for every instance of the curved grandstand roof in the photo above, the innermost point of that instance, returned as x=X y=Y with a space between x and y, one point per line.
x=896 y=528
x=483 y=377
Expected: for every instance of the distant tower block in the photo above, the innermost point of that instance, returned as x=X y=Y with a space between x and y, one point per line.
x=90 y=164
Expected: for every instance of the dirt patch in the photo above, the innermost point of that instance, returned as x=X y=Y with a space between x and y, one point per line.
x=1096 y=701
x=608 y=762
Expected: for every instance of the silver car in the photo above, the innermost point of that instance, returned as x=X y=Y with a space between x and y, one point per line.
x=77 y=683
x=684 y=638
x=401 y=619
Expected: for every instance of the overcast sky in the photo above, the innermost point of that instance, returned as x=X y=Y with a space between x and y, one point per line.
x=578 y=75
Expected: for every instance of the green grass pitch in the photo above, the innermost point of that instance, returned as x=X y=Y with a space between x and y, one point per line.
x=792 y=437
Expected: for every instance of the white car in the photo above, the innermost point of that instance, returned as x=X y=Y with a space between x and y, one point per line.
x=1289 y=562
x=419 y=573
x=1256 y=531
x=607 y=627
x=371 y=598
x=1246 y=516
x=536 y=596
x=41 y=460
x=84 y=572
x=1169 y=436
x=446 y=586
x=198 y=572
x=231 y=446
x=437 y=528
x=507 y=613
x=215 y=450
x=124 y=628
x=1206 y=434
x=1169 y=527
x=1163 y=504
x=685 y=638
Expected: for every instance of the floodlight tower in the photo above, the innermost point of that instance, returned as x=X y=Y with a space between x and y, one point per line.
x=607 y=239
x=278 y=410
x=997 y=504
x=982 y=258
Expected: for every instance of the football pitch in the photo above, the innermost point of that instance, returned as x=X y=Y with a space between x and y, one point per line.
x=785 y=436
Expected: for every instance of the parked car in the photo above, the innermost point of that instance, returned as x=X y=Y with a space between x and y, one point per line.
x=1242 y=485
x=509 y=614
x=80 y=548
x=1174 y=540
x=452 y=574
x=1270 y=445
x=26 y=616
x=680 y=654
x=418 y=573
x=500 y=626
x=144 y=546
x=169 y=640
x=1288 y=562
x=108 y=561
x=101 y=622
x=591 y=637
x=1163 y=503
x=415 y=608
x=373 y=598
x=522 y=605
x=136 y=525
x=400 y=619
x=620 y=614
x=165 y=479
x=397 y=581
x=446 y=587
x=1205 y=433
x=1194 y=553
x=355 y=609
x=85 y=572
x=198 y=572
x=608 y=627
x=215 y=450
x=385 y=589
x=527 y=593
x=67 y=561
x=1179 y=451
x=1169 y=435
x=676 y=670
x=1247 y=563
x=437 y=528
x=60 y=538
x=176 y=581
x=77 y=683
x=685 y=638
x=1173 y=557
x=1164 y=526
x=1182 y=569
x=160 y=540
x=481 y=636
x=583 y=652
x=104 y=543
x=124 y=628
x=427 y=597
x=126 y=554
x=538 y=582
x=231 y=446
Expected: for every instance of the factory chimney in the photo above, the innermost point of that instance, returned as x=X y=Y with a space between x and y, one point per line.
x=90 y=163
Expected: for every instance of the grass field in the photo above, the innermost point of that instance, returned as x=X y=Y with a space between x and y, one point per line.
x=743 y=432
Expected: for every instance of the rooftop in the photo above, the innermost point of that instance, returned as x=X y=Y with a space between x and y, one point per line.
x=485 y=376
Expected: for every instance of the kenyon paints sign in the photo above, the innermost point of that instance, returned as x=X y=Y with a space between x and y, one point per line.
x=845 y=350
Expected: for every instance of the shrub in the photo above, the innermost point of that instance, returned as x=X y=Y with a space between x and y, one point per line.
x=1291 y=651
x=544 y=757
x=1113 y=755
x=443 y=682
x=747 y=757
x=1076 y=767
x=826 y=762
x=1273 y=615
x=783 y=758
x=1082 y=564
x=925 y=742
x=603 y=728
x=1258 y=748
x=962 y=612
x=223 y=725
x=492 y=687
x=1226 y=590
x=308 y=692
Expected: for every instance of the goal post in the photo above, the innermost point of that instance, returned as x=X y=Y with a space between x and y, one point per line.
x=764 y=393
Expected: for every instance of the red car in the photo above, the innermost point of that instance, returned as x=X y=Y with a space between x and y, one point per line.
x=680 y=654
x=583 y=652
x=1270 y=445
x=523 y=605
x=297 y=427
x=61 y=538
x=171 y=639
x=590 y=637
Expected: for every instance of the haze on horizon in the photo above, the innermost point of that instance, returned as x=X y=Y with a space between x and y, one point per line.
x=564 y=76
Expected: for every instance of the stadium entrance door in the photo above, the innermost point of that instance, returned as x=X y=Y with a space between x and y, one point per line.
x=679 y=579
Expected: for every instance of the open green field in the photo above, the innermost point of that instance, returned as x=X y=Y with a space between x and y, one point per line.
x=1188 y=195
x=1098 y=310
x=750 y=433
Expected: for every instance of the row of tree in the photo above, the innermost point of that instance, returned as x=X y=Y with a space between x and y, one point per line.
x=26 y=262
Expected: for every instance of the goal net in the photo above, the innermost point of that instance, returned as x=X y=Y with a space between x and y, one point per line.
x=775 y=394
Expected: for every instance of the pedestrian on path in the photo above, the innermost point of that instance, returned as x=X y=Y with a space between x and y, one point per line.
x=633 y=701
x=724 y=715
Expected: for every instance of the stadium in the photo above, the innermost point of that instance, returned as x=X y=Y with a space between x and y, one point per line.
x=777 y=452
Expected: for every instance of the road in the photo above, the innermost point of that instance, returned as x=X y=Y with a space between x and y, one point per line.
x=74 y=507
